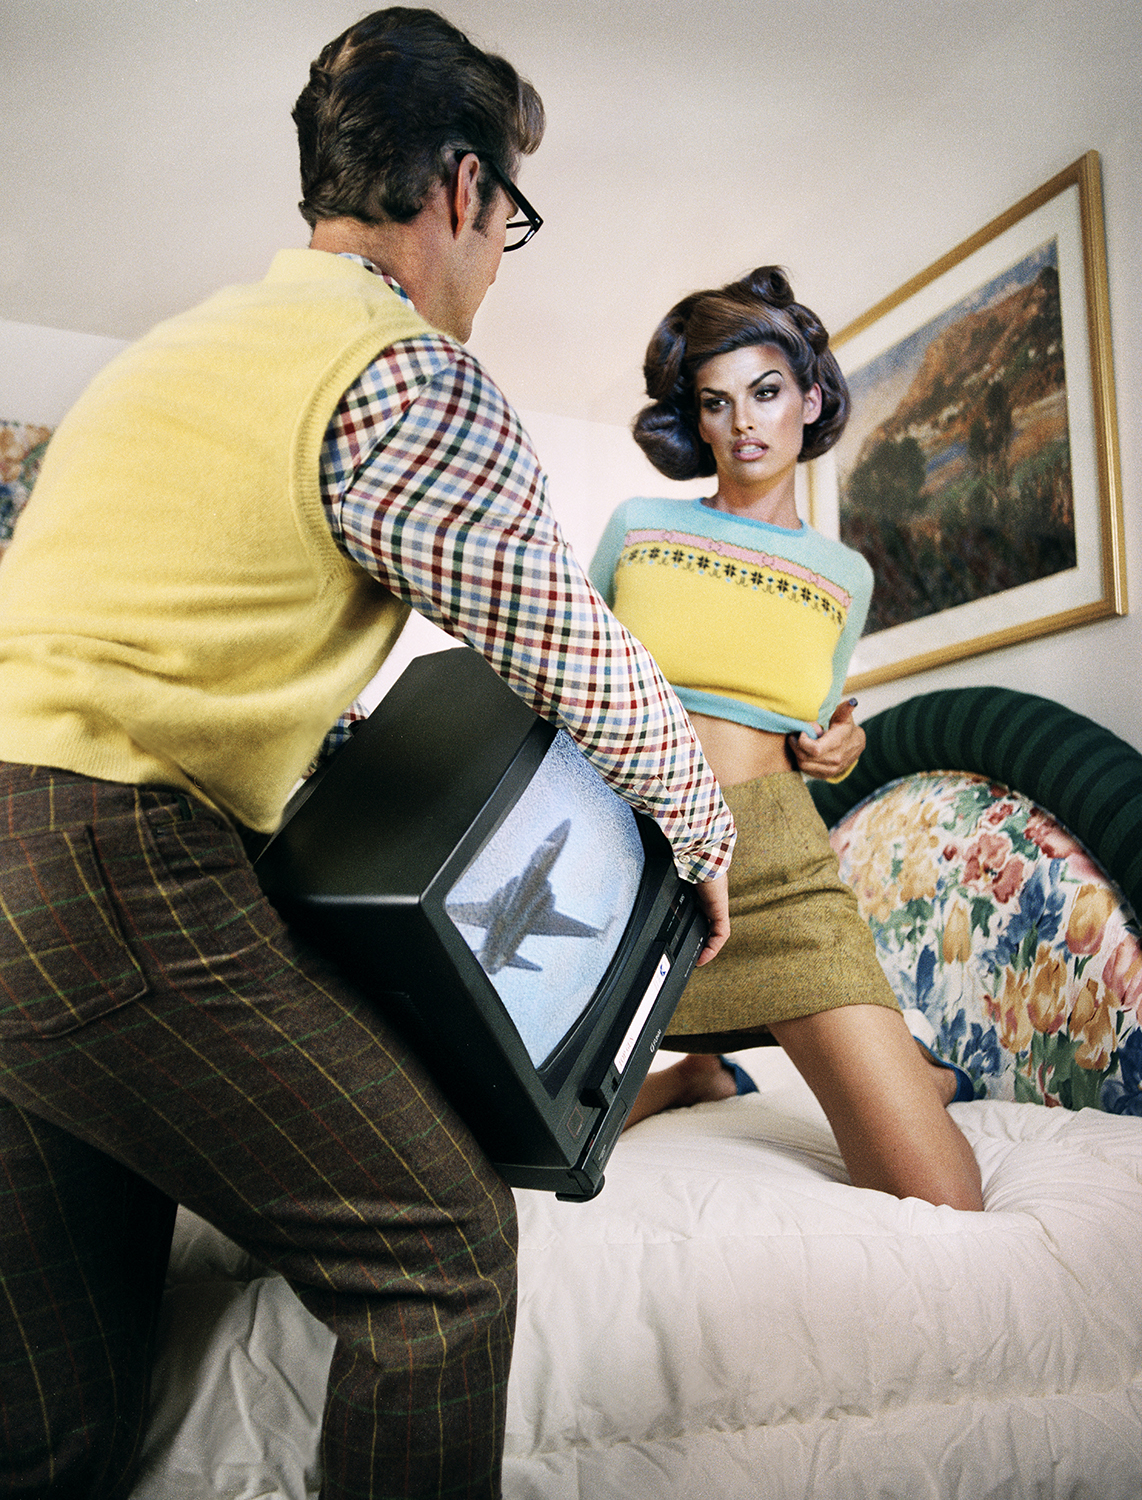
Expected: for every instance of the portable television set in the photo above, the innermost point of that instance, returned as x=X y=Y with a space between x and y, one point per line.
x=528 y=931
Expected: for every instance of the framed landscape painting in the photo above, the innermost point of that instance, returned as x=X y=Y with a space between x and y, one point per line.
x=22 y=446
x=979 y=469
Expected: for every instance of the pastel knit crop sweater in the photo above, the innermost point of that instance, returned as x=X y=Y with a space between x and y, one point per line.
x=173 y=608
x=748 y=621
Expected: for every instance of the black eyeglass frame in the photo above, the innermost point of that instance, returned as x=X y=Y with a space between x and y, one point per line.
x=530 y=217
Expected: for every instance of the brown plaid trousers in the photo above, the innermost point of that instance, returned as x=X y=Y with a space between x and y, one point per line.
x=163 y=1040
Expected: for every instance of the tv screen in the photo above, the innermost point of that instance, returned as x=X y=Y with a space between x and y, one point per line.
x=545 y=919
x=507 y=909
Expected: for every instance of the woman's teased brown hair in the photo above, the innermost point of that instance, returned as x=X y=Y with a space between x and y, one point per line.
x=388 y=105
x=758 y=309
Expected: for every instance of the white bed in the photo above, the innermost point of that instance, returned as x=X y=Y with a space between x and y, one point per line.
x=730 y=1318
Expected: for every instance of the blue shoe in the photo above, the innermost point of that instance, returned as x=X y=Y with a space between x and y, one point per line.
x=965 y=1089
x=745 y=1084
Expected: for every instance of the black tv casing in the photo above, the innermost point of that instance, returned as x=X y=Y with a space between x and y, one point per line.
x=365 y=856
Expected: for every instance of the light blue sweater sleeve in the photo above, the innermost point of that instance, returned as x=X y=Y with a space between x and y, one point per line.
x=605 y=560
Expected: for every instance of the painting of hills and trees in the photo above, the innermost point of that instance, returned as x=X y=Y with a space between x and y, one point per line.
x=954 y=474
x=22 y=448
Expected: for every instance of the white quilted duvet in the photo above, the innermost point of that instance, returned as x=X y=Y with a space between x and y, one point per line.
x=731 y=1319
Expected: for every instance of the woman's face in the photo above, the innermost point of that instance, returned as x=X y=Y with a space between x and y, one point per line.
x=753 y=414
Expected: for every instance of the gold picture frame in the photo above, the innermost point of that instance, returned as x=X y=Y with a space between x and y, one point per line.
x=979 y=471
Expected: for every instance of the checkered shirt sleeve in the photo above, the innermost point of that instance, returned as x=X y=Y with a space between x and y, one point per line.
x=431 y=484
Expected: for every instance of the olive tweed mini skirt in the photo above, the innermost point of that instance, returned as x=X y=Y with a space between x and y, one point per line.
x=798 y=944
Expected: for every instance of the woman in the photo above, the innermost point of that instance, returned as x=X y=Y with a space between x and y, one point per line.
x=753 y=617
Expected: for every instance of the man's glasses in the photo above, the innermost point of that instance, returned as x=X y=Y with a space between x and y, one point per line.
x=524 y=228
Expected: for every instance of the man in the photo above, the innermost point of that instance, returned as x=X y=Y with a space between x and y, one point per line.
x=226 y=536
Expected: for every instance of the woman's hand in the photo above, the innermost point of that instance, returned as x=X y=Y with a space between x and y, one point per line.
x=714 y=896
x=836 y=751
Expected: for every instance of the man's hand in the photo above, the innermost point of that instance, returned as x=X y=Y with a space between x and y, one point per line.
x=714 y=896
x=836 y=751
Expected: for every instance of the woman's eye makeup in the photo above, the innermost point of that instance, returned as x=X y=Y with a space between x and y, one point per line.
x=760 y=393
x=767 y=392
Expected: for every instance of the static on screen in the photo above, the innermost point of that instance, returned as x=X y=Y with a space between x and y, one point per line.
x=545 y=902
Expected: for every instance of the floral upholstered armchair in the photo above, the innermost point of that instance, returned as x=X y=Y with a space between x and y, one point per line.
x=1011 y=929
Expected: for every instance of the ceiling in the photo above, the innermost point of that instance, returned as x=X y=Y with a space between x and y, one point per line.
x=150 y=158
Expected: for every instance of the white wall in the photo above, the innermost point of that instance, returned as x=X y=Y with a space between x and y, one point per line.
x=43 y=370
x=897 y=175
x=591 y=467
x=855 y=143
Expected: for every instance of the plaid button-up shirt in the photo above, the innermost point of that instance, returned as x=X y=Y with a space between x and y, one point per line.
x=431 y=484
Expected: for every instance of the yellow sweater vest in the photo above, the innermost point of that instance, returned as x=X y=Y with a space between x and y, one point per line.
x=173 y=608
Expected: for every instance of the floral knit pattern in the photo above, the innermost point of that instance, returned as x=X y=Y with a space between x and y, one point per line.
x=736 y=565
x=996 y=923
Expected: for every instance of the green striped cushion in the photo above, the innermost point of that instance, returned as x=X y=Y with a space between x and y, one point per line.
x=1089 y=778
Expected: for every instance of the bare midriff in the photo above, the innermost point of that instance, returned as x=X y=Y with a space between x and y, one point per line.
x=738 y=753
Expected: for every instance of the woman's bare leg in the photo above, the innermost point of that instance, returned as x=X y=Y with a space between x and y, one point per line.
x=696 y=1079
x=886 y=1103
x=884 y=1100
